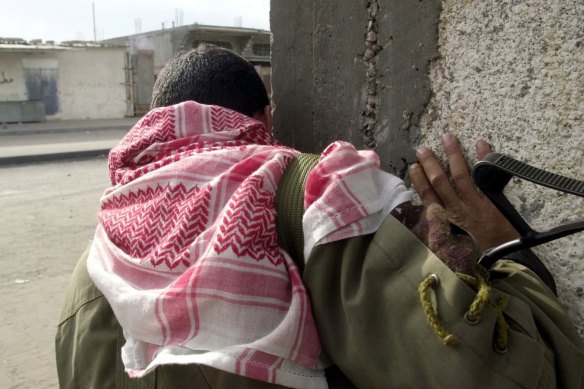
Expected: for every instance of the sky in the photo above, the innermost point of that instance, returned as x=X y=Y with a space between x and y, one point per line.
x=63 y=20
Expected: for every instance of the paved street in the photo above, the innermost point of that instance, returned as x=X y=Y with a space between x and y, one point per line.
x=48 y=138
x=41 y=142
x=48 y=217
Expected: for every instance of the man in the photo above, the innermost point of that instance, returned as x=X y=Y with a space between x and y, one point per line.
x=187 y=257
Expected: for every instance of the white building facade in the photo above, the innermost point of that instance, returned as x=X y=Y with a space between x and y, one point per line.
x=64 y=82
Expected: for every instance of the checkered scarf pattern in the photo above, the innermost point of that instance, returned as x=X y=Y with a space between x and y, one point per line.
x=186 y=250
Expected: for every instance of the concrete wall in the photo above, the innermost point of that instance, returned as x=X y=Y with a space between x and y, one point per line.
x=353 y=71
x=389 y=75
x=92 y=83
x=513 y=72
x=160 y=42
x=12 y=86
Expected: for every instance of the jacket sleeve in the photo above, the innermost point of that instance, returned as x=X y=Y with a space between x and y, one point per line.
x=86 y=339
x=373 y=326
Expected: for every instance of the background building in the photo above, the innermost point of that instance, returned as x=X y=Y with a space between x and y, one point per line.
x=148 y=52
x=41 y=81
x=108 y=79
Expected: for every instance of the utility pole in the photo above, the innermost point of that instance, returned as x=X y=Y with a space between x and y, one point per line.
x=94 y=30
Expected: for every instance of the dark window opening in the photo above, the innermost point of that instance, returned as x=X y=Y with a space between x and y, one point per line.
x=226 y=45
x=261 y=49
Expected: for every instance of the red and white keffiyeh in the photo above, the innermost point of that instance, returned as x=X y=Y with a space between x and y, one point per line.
x=186 y=251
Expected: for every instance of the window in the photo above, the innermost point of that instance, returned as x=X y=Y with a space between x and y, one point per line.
x=223 y=44
x=261 y=49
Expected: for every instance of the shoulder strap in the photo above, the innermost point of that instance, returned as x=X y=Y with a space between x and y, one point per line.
x=290 y=210
x=290 y=206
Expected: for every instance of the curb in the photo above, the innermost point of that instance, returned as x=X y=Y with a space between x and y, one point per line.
x=26 y=159
x=58 y=130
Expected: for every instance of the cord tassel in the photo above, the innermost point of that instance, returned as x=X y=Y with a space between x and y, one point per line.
x=430 y=282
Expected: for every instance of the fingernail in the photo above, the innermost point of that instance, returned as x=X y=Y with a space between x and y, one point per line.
x=482 y=146
x=447 y=139
x=422 y=150
x=414 y=166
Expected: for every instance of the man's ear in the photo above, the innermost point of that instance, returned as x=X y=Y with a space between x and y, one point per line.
x=265 y=116
x=268 y=118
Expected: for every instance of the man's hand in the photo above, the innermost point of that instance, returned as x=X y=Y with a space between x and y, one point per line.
x=466 y=207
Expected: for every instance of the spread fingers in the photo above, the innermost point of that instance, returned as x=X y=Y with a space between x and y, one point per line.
x=422 y=185
x=459 y=171
x=437 y=178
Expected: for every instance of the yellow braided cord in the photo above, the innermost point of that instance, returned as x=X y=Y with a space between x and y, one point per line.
x=424 y=292
x=469 y=280
x=481 y=299
x=502 y=329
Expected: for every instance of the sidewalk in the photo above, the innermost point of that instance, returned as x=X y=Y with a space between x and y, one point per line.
x=56 y=126
x=53 y=126
x=57 y=140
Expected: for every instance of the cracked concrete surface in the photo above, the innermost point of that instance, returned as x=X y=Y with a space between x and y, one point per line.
x=512 y=72
x=372 y=48
x=353 y=71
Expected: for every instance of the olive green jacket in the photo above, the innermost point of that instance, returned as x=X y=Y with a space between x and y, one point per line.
x=365 y=296
x=366 y=302
x=373 y=324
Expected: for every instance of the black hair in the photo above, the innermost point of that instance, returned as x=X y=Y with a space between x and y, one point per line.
x=211 y=75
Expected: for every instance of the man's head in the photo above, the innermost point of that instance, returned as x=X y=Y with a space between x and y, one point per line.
x=216 y=76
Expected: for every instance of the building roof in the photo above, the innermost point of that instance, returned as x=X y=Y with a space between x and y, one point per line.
x=197 y=27
x=91 y=44
x=20 y=45
x=28 y=47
